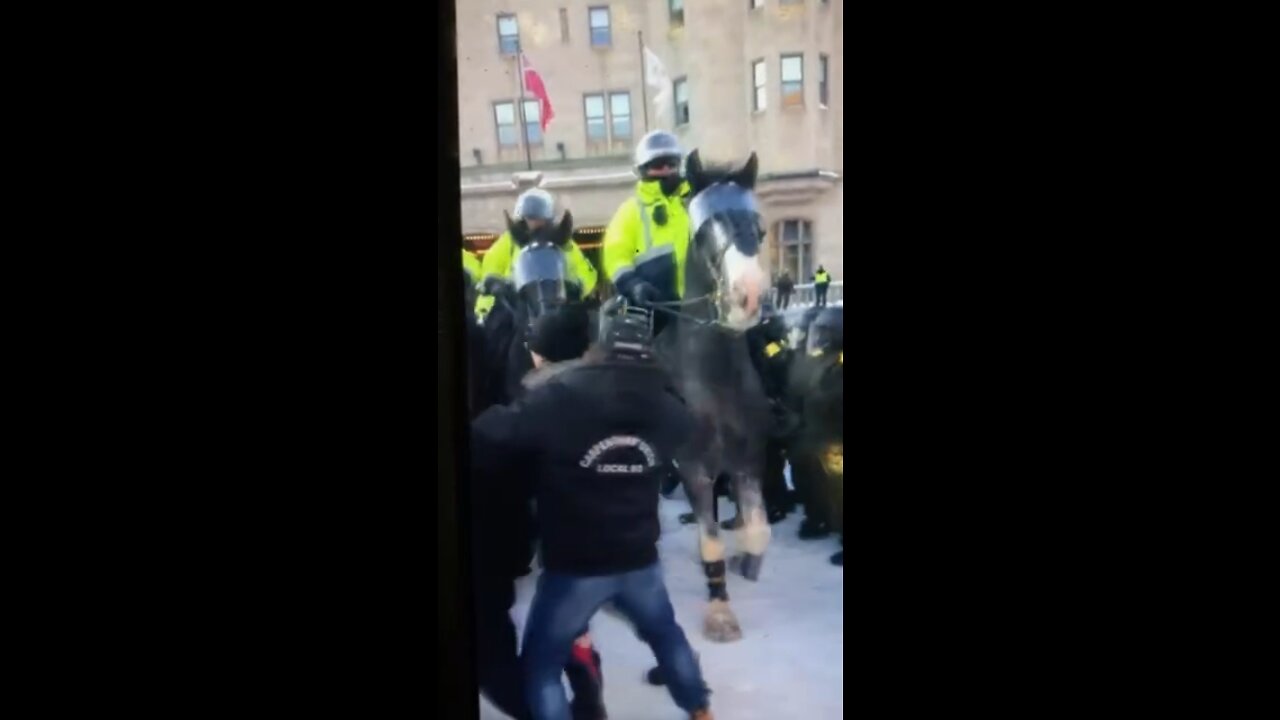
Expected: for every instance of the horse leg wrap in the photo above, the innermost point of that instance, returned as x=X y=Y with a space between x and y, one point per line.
x=716 y=587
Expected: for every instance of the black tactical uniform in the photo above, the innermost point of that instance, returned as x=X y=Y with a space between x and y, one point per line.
x=817 y=392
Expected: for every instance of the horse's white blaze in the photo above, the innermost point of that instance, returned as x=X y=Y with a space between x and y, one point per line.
x=745 y=280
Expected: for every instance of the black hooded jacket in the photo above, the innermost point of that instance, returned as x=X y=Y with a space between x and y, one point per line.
x=591 y=443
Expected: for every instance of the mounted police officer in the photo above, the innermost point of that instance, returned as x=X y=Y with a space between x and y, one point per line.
x=647 y=241
x=534 y=208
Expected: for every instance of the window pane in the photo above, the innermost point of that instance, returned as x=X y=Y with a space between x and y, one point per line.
x=790 y=231
x=761 y=98
x=790 y=262
x=792 y=94
x=507 y=134
x=792 y=68
x=678 y=5
x=532 y=111
x=534 y=132
x=600 y=37
x=507 y=25
x=505 y=113
x=595 y=129
x=599 y=18
x=564 y=25
x=620 y=104
x=595 y=106
x=621 y=127
x=682 y=90
x=760 y=74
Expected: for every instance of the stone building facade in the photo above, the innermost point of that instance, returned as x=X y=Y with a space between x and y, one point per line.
x=741 y=76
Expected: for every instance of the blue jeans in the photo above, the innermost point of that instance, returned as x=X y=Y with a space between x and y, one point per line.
x=563 y=606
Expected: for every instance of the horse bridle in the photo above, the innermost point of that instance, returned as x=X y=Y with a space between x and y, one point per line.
x=714 y=296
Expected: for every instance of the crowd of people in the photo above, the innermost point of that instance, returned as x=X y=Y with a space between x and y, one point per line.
x=569 y=466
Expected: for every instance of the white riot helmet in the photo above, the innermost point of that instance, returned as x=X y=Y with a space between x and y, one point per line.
x=656 y=145
x=535 y=204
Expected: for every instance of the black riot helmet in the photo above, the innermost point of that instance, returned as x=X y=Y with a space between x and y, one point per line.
x=826 y=334
x=538 y=273
x=626 y=331
x=774 y=328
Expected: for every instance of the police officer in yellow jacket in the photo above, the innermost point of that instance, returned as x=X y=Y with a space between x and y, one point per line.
x=471 y=266
x=821 y=281
x=470 y=277
x=647 y=240
x=537 y=208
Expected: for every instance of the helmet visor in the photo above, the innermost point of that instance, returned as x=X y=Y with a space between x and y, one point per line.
x=720 y=199
x=539 y=274
x=825 y=339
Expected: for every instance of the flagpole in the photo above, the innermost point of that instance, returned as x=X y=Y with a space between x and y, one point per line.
x=524 y=122
x=644 y=82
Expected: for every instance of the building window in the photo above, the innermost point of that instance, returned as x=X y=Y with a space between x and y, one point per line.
x=755 y=4
x=823 y=84
x=597 y=130
x=508 y=35
x=533 y=122
x=676 y=7
x=504 y=115
x=601 y=35
x=616 y=125
x=564 y=25
x=792 y=80
x=796 y=238
x=759 y=74
x=620 y=115
x=682 y=101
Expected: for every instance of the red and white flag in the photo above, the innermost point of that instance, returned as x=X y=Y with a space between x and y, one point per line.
x=533 y=85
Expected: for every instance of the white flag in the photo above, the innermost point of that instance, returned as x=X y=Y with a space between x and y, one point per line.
x=657 y=79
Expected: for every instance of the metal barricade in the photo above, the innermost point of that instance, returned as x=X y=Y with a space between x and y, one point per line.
x=805 y=296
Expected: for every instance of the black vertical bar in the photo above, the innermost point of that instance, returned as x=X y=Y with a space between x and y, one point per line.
x=456 y=660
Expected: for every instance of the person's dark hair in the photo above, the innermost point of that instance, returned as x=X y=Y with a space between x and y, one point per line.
x=562 y=334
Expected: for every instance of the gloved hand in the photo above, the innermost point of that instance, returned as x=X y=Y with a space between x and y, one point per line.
x=496 y=286
x=645 y=294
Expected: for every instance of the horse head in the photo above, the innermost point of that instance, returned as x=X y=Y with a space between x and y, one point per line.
x=525 y=232
x=539 y=270
x=727 y=237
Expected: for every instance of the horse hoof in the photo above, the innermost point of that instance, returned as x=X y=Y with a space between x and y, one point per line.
x=746 y=565
x=721 y=624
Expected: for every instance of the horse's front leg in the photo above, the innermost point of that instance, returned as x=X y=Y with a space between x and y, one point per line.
x=753 y=531
x=720 y=624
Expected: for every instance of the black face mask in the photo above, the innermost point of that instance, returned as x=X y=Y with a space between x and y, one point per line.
x=669 y=185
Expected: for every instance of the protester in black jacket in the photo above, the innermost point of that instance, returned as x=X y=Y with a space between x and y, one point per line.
x=503 y=537
x=594 y=442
